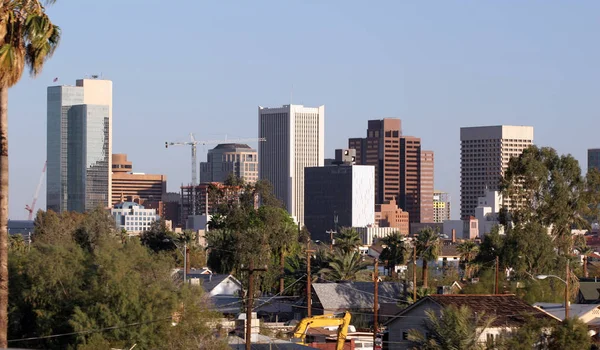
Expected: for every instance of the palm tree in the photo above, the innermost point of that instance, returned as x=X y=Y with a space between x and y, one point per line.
x=585 y=250
x=343 y=266
x=467 y=250
x=395 y=250
x=27 y=37
x=348 y=240
x=455 y=328
x=428 y=248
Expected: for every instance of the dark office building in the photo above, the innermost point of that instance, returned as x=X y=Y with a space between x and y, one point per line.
x=594 y=158
x=344 y=192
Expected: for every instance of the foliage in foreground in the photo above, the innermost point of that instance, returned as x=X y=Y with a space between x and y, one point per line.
x=79 y=276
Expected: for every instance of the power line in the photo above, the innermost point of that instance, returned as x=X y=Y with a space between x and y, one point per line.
x=89 y=331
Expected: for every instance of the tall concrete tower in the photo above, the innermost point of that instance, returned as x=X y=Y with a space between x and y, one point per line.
x=484 y=155
x=295 y=139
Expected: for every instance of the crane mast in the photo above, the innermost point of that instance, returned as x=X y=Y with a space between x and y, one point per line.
x=31 y=208
x=194 y=145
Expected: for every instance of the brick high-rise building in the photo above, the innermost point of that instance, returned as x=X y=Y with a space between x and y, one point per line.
x=426 y=187
x=400 y=167
x=484 y=155
x=126 y=183
x=381 y=148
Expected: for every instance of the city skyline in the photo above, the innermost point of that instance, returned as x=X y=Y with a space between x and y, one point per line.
x=438 y=77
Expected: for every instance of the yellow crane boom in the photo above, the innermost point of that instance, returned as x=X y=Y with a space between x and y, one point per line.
x=325 y=321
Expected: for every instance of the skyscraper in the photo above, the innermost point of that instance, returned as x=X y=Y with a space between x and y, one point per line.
x=426 y=187
x=441 y=206
x=485 y=152
x=400 y=167
x=381 y=148
x=87 y=158
x=594 y=158
x=92 y=130
x=295 y=139
x=230 y=158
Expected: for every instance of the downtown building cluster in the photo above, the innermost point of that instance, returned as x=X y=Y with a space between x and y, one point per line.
x=379 y=184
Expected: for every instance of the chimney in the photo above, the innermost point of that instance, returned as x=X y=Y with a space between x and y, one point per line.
x=453 y=236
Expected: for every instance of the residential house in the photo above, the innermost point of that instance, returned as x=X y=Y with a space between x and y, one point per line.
x=507 y=310
x=216 y=284
x=587 y=313
x=358 y=297
x=589 y=292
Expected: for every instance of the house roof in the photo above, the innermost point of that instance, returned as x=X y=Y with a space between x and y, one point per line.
x=449 y=250
x=590 y=290
x=210 y=281
x=507 y=309
x=558 y=310
x=355 y=295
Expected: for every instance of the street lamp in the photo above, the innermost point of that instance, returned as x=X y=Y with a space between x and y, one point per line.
x=166 y=240
x=566 y=282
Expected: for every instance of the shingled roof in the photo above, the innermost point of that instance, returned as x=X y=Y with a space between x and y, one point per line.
x=355 y=295
x=507 y=309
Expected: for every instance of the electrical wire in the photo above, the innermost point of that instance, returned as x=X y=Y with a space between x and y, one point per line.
x=89 y=331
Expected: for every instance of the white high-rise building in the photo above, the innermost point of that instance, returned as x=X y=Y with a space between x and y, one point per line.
x=485 y=153
x=89 y=105
x=295 y=139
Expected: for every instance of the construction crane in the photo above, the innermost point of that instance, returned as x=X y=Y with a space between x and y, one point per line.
x=194 y=143
x=31 y=208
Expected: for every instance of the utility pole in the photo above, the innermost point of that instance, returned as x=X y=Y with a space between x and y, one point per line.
x=567 y=292
x=282 y=267
x=185 y=254
x=375 y=300
x=414 y=273
x=308 y=280
x=331 y=240
x=250 y=302
x=497 y=269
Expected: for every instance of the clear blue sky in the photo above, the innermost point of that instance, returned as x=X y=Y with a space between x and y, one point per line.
x=205 y=66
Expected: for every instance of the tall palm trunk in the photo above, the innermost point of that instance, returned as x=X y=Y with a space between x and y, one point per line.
x=3 y=216
x=425 y=273
x=585 y=270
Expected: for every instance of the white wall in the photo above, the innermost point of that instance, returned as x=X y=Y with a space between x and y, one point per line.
x=363 y=195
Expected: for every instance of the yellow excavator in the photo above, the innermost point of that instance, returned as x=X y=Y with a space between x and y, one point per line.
x=325 y=321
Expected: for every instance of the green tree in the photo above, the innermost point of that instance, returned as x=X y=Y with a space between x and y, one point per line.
x=592 y=194
x=27 y=38
x=492 y=246
x=347 y=240
x=532 y=334
x=67 y=285
x=468 y=251
x=529 y=250
x=571 y=334
x=546 y=189
x=395 y=250
x=428 y=248
x=453 y=329
x=344 y=266
x=158 y=238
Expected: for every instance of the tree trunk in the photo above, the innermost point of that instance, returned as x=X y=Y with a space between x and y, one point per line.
x=3 y=216
x=585 y=270
x=425 y=273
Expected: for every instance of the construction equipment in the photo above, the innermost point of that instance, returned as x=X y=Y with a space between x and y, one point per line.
x=31 y=208
x=325 y=321
x=194 y=143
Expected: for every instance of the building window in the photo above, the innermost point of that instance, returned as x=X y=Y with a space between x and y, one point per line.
x=404 y=335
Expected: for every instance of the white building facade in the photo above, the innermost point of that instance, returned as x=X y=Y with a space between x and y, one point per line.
x=133 y=217
x=487 y=211
x=295 y=139
x=485 y=153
